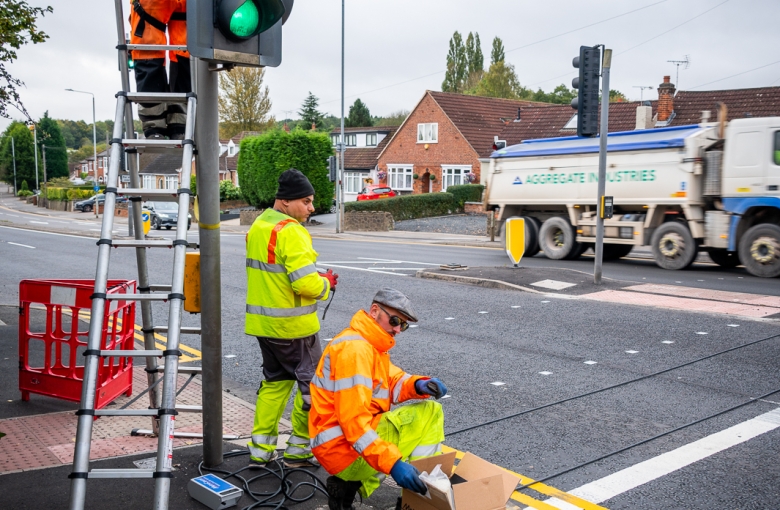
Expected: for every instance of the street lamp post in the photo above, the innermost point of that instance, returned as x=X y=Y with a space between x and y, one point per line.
x=35 y=151
x=94 y=140
x=13 y=154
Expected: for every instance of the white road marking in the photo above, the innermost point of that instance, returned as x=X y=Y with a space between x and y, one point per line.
x=230 y=355
x=498 y=383
x=40 y=222
x=546 y=373
x=515 y=306
x=639 y=474
x=545 y=301
x=701 y=332
x=412 y=325
x=667 y=341
x=482 y=312
x=48 y=233
x=590 y=362
x=22 y=245
x=399 y=261
x=632 y=352
x=13 y=215
x=360 y=269
x=449 y=318
x=3 y=324
x=733 y=325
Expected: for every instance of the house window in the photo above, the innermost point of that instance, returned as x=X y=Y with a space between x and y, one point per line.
x=148 y=182
x=104 y=162
x=371 y=139
x=352 y=182
x=231 y=151
x=428 y=133
x=777 y=148
x=351 y=140
x=400 y=177
x=171 y=182
x=335 y=139
x=454 y=176
x=572 y=124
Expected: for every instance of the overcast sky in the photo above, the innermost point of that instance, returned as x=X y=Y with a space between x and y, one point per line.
x=396 y=49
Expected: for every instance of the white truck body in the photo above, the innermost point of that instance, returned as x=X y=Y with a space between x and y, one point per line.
x=717 y=187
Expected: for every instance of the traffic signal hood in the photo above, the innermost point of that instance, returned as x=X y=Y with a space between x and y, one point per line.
x=587 y=85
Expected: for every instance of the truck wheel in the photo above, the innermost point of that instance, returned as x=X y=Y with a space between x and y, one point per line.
x=531 y=236
x=673 y=246
x=616 y=251
x=558 y=239
x=759 y=250
x=724 y=258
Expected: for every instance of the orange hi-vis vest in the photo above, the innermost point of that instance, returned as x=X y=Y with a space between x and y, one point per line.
x=354 y=384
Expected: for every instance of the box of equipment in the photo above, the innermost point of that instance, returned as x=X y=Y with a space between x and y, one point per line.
x=476 y=484
x=214 y=492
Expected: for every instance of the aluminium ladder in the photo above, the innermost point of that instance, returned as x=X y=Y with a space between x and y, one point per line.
x=162 y=408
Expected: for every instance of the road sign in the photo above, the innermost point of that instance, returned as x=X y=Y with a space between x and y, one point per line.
x=125 y=178
x=146 y=220
x=96 y=188
x=514 y=235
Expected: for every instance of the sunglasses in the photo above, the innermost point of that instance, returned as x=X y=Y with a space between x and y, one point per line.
x=395 y=320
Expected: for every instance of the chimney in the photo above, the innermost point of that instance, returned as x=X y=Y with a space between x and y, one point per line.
x=644 y=117
x=666 y=92
x=518 y=114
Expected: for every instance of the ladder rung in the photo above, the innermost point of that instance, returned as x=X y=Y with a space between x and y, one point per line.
x=121 y=473
x=137 y=297
x=189 y=409
x=160 y=288
x=126 y=412
x=156 y=47
x=148 y=244
x=154 y=97
x=194 y=435
x=183 y=370
x=158 y=195
x=153 y=145
x=133 y=353
x=182 y=331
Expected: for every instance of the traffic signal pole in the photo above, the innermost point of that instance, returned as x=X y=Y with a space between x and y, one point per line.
x=340 y=176
x=603 y=132
x=207 y=175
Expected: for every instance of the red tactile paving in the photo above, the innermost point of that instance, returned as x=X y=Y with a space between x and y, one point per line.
x=47 y=440
x=676 y=303
x=714 y=295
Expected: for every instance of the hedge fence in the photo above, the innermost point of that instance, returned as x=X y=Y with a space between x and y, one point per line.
x=65 y=194
x=409 y=207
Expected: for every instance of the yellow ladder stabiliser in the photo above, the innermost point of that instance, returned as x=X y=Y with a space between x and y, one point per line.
x=192 y=282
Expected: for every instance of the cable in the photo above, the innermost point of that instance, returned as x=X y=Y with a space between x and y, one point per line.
x=739 y=74
x=329 y=302
x=286 y=488
x=621 y=450
x=608 y=387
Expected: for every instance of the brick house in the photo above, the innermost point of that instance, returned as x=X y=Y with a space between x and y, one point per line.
x=442 y=140
x=361 y=155
x=228 y=156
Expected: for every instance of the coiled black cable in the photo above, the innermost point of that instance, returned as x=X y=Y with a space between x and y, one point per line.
x=274 y=499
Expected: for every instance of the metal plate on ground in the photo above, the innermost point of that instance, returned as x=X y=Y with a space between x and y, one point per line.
x=553 y=284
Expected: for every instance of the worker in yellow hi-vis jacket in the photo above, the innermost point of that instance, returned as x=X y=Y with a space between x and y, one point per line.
x=283 y=287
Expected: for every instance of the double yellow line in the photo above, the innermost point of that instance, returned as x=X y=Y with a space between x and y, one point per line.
x=540 y=488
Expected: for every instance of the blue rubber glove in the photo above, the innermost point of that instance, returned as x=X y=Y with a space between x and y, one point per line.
x=433 y=387
x=408 y=477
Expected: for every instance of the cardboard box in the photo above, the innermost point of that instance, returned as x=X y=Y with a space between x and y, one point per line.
x=476 y=483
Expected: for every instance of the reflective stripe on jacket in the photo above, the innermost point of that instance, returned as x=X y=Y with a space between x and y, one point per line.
x=354 y=384
x=283 y=285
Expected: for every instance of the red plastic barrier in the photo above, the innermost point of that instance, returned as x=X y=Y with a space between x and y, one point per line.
x=59 y=348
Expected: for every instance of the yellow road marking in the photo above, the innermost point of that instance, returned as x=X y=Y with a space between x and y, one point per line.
x=538 y=487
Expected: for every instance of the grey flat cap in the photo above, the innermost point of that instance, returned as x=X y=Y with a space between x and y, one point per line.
x=396 y=299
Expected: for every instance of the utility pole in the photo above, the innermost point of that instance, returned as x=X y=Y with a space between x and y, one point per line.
x=44 y=193
x=207 y=162
x=603 y=135
x=35 y=150
x=342 y=144
x=13 y=154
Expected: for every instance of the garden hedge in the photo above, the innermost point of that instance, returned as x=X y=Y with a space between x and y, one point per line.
x=466 y=193
x=409 y=207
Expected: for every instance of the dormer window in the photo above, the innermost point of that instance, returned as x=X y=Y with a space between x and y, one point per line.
x=371 y=139
x=572 y=124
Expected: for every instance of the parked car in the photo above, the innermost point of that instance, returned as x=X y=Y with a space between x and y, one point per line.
x=88 y=205
x=375 y=192
x=165 y=214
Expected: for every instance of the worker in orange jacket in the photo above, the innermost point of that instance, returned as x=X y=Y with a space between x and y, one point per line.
x=149 y=22
x=355 y=435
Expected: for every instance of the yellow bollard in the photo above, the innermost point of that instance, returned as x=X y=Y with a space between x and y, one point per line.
x=192 y=282
x=514 y=234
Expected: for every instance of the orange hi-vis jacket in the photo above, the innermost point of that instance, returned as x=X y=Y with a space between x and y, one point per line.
x=354 y=384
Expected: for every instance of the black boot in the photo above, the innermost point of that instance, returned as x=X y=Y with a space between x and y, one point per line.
x=341 y=494
x=398 y=504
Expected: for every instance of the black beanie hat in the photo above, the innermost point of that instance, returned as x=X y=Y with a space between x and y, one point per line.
x=293 y=185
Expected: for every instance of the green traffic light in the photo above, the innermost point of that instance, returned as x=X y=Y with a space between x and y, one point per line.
x=245 y=20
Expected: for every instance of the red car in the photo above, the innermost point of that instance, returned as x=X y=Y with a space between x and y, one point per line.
x=375 y=192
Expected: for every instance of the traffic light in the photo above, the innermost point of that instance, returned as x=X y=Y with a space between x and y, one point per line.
x=333 y=169
x=241 y=32
x=587 y=85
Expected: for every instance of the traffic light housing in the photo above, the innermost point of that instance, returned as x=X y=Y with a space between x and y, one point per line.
x=587 y=85
x=240 y=32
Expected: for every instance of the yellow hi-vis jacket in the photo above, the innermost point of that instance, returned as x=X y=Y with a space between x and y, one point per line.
x=282 y=281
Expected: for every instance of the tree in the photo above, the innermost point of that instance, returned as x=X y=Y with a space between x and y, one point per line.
x=560 y=95
x=84 y=152
x=25 y=157
x=500 y=81
x=310 y=115
x=243 y=102
x=393 y=119
x=497 y=53
x=359 y=116
x=475 y=61
x=17 y=28
x=56 y=153
x=263 y=159
x=457 y=66
x=615 y=96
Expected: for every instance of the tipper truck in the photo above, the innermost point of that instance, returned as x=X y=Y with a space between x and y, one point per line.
x=710 y=187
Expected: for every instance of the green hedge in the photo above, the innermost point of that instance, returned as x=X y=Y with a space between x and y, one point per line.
x=409 y=207
x=79 y=193
x=263 y=158
x=64 y=194
x=466 y=193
